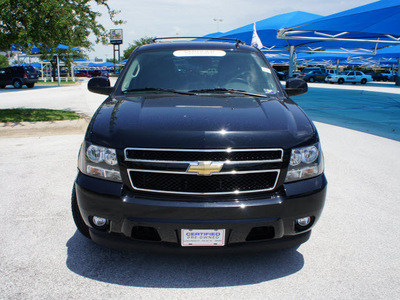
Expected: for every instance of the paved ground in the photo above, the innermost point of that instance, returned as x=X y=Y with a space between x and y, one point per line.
x=352 y=254
x=75 y=98
x=374 y=108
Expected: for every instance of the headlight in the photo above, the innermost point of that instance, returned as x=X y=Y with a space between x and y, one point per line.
x=100 y=162
x=305 y=163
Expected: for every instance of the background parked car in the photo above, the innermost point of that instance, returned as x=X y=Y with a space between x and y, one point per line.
x=18 y=76
x=281 y=75
x=313 y=76
x=377 y=76
x=331 y=71
x=349 y=76
x=82 y=73
x=96 y=73
x=389 y=75
x=309 y=69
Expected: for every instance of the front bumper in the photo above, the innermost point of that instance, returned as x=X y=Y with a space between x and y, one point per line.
x=271 y=216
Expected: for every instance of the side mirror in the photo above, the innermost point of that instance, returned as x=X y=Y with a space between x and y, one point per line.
x=295 y=87
x=100 y=85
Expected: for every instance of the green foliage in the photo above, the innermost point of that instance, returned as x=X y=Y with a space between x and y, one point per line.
x=3 y=61
x=142 y=41
x=35 y=115
x=47 y=23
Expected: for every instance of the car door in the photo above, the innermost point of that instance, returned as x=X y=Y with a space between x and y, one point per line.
x=319 y=76
x=351 y=77
x=3 y=76
x=359 y=76
x=8 y=76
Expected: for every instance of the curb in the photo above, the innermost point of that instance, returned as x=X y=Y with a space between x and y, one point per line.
x=30 y=129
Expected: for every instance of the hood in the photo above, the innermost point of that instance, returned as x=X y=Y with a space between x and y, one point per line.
x=199 y=122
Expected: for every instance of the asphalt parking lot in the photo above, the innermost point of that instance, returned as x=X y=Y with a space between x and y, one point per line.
x=352 y=254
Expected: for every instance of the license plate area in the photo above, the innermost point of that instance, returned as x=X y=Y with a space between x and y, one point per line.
x=202 y=237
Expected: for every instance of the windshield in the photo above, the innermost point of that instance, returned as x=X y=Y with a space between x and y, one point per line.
x=199 y=71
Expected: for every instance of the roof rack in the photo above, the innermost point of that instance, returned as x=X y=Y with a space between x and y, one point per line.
x=238 y=42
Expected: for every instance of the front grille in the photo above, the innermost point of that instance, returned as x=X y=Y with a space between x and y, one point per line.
x=202 y=155
x=203 y=184
x=166 y=171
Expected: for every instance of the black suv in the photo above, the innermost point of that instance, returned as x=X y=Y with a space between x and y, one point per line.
x=18 y=76
x=198 y=147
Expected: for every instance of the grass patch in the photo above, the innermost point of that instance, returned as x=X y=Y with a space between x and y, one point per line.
x=35 y=115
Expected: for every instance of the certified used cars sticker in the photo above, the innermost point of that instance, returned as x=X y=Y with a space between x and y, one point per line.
x=203 y=237
x=266 y=70
x=193 y=53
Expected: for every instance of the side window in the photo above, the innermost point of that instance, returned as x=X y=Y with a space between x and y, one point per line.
x=358 y=74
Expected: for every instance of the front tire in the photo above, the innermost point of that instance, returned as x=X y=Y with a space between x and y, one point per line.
x=311 y=79
x=76 y=214
x=363 y=81
x=341 y=81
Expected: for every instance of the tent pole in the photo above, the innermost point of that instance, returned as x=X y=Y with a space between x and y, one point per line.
x=41 y=68
x=291 y=60
x=337 y=65
x=58 y=70
x=73 y=72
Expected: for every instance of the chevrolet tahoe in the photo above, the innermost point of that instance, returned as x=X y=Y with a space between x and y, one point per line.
x=199 y=148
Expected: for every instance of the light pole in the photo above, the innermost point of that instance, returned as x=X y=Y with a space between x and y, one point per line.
x=217 y=20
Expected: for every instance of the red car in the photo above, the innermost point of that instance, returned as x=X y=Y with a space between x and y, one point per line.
x=82 y=74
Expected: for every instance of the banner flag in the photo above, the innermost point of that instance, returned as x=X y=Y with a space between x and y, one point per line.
x=255 y=40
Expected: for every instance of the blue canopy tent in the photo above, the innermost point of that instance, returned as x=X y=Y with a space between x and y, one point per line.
x=267 y=29
x=375 y=23
x=101 y=65
x=36 y=65
x=389 y=52
x=369 y=27
x=366 y=28
x=37 y=50
x=389 y=57
x=215 y=34
x=321 y=58
x=122 y=63
x=278 y=58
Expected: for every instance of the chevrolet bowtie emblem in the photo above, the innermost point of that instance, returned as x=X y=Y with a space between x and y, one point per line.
x=205 y=168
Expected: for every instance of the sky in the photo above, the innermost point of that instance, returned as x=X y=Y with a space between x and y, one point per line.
x=166 y=18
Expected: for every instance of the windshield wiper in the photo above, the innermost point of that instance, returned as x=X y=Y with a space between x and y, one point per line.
x=229 y=91
x=158 y=90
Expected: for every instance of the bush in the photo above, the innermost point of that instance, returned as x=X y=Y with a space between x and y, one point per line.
x=4 y=61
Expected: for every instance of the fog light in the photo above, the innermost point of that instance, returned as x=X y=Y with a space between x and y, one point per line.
x=304 y=221
x=99 y=222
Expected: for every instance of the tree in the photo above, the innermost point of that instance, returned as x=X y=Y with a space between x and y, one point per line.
x=47 y=23
x=3 y=61
x=142 y=41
